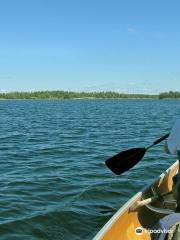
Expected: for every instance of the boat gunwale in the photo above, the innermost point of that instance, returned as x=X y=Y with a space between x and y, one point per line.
x=114 y=218
x=129 y=203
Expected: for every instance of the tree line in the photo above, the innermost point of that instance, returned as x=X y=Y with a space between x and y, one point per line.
x=70 y=95
x=76 y=95
x=169 y=94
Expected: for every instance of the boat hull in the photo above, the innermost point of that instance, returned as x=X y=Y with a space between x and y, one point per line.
x=129 y=223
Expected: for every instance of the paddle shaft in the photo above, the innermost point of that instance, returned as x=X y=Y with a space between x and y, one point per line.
x=158 y=141
x=148 y=201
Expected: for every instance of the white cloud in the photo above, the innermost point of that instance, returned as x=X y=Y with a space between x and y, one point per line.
x=131 y=29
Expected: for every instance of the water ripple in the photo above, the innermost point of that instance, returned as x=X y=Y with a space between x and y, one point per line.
x=54 y=183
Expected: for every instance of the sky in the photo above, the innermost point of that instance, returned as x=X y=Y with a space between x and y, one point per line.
x=94 y=45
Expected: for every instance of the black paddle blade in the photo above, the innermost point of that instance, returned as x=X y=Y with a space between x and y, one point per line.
x=125 y=160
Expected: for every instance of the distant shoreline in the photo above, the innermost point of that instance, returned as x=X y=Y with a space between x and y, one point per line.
x=4 y=99
x=63 y=95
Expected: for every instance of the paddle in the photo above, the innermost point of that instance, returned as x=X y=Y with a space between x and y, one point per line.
x=125 y=160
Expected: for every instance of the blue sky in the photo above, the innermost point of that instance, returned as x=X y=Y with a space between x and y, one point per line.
x=127 y=46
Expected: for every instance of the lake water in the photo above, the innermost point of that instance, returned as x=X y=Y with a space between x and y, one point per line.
x=53 y=180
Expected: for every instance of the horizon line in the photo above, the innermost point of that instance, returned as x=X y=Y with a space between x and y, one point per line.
x=84 y=91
